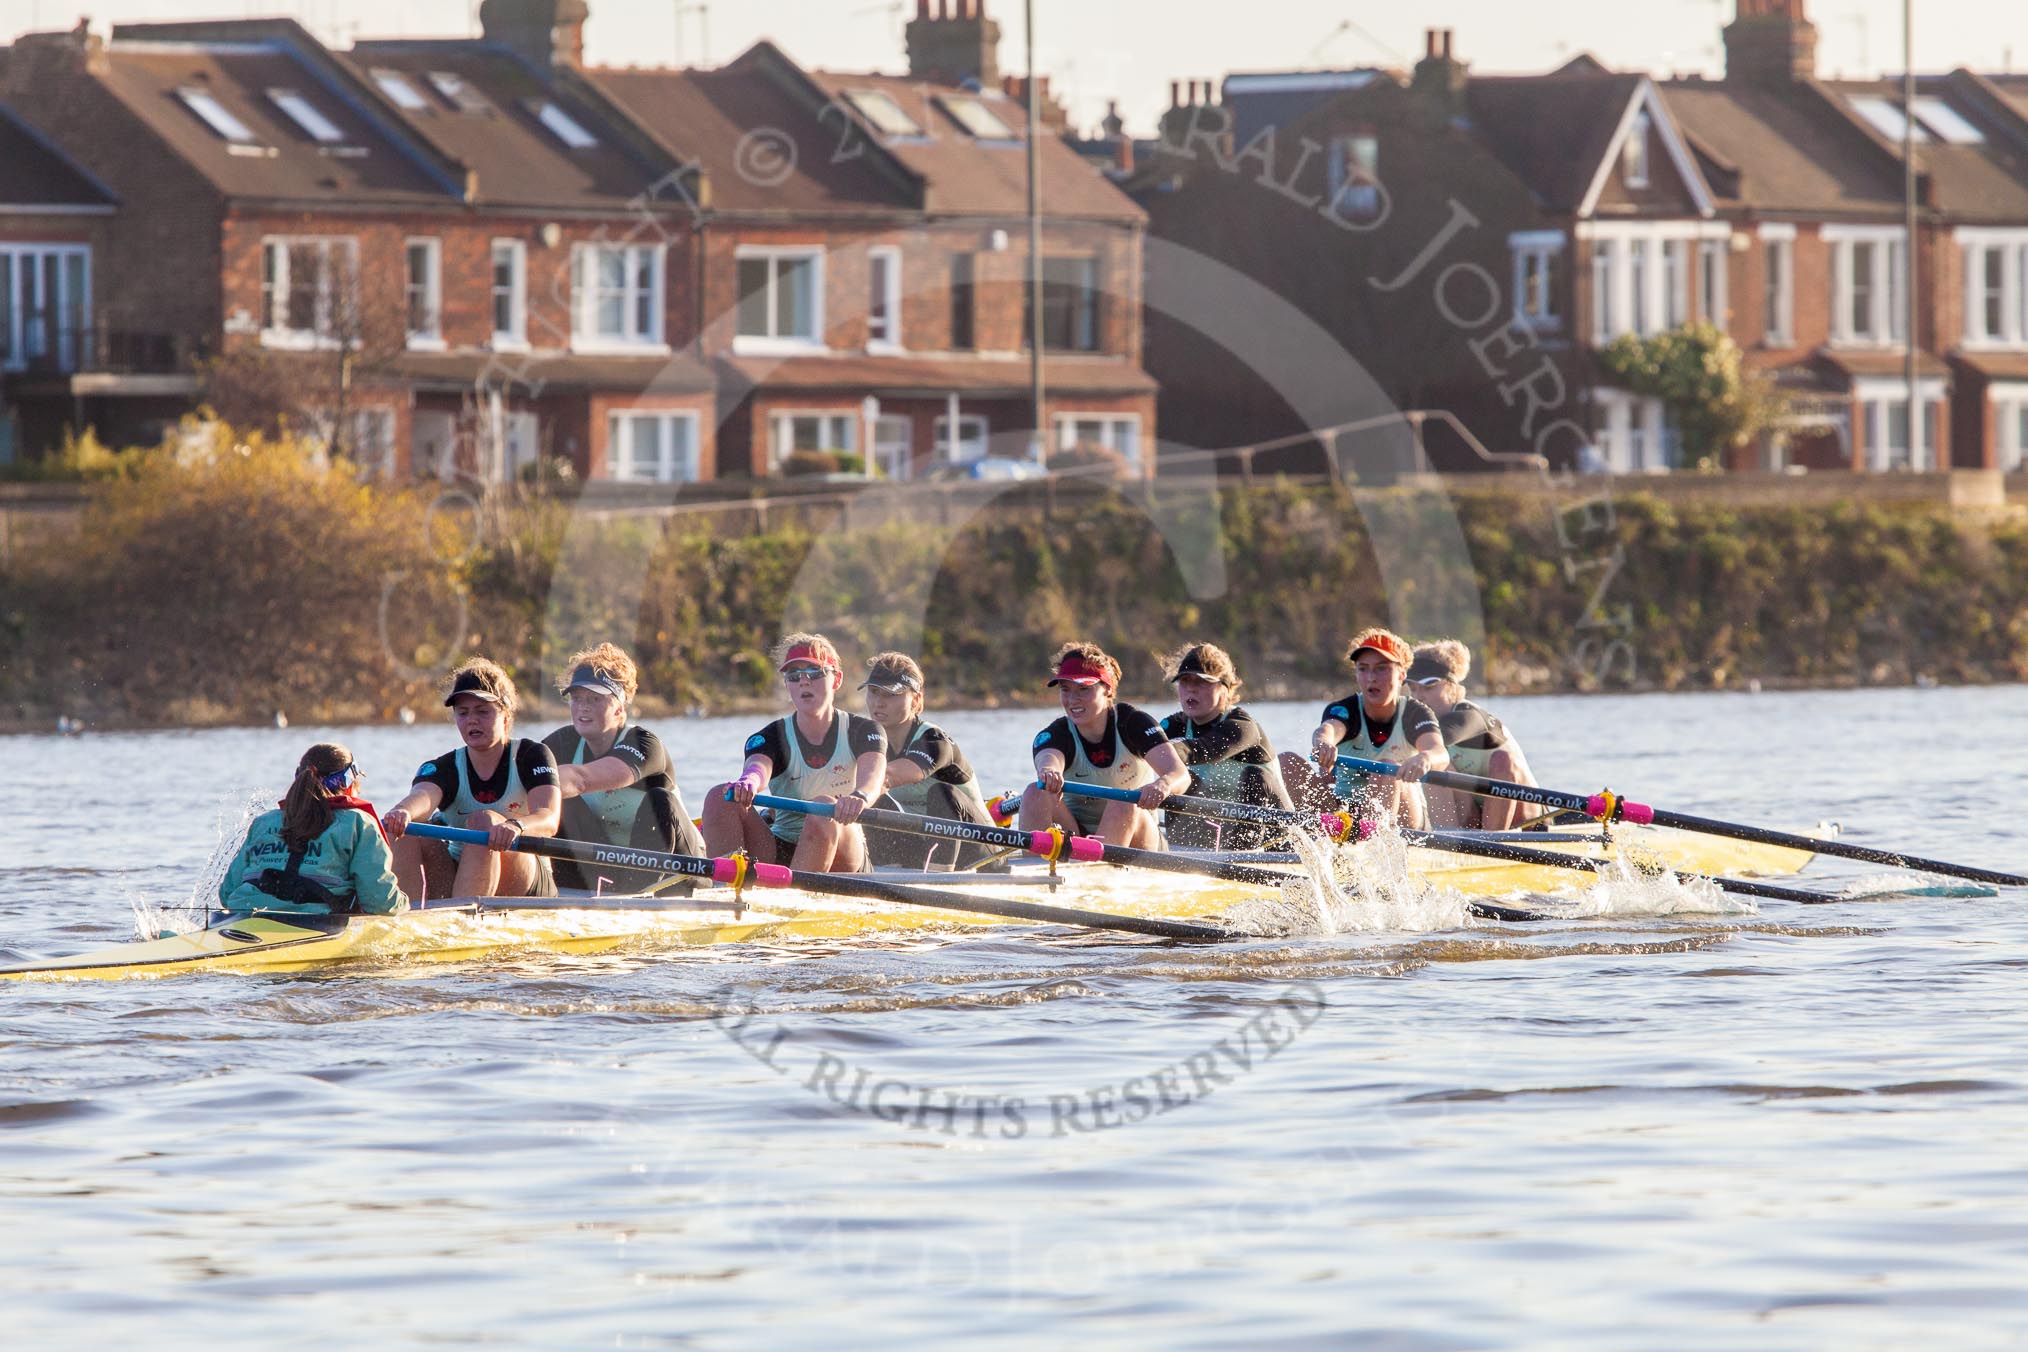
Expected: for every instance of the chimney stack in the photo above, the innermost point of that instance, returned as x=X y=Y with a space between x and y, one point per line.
x=547 y=32
x=1770 y=42
x=1439 y=81
x=958 y=44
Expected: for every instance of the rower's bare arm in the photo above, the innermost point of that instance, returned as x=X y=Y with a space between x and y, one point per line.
x=1324 y=743
x=753 y=776
x=600 y=776
x=421 y=801
x=1172 y=776
x=1430 y=754
x=1049 y=765
x=869 y=775
x=545 y=811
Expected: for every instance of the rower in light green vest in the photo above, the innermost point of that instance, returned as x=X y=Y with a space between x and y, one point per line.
x=1227 y=751
x=926 y=772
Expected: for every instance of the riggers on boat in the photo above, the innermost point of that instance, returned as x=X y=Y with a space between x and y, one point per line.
x=462 y=929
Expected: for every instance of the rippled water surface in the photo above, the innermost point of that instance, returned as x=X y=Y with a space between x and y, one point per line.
x=1801 y=1127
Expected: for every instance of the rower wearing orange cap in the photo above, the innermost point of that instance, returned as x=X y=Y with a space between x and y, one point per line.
x=818 y=753
x=1378 y=722
x=1100 y=741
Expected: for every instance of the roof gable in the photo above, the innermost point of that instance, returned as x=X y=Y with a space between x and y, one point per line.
x=1646 y=113
x=36 y=175
x=1562 y=133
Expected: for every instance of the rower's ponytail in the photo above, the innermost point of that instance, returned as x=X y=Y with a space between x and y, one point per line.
x=307 y=810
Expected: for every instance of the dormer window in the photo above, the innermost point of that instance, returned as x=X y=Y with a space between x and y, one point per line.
x=976 y=118
x=562 y=125
x=1634 y=153
x=396 y=86
x=305 y=115
x=1949 y=125
x=1884 y=115
x=883 y=112
x=1355 y=176
x=458 y=93
x=216 y=116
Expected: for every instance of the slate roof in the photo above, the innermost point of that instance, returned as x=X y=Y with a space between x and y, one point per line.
x=1553 y=130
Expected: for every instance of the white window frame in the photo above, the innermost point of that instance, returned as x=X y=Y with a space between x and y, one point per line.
x=514 y=339
x=883 y=113
x=670 y=467
x=1714 y=264
x=779 y=440
x=22 y=259
x=1886 y=270
x=772 y=343
x=2008 y=401
x=1112 y=425
x=1874 y=399
x=586 y=293
x=1975 y=245
x=1634 y=152
x=978 y=121
x=1535 y=296
x=400 y=89
x=885 y=256
x=1355 y=196
x=274 y=296
x=1675 y=262
x=563 y=126
x=975 y=434
x=430 y=339
x=894 y=446
x=1778 y=241
x=1613 y=307
x=227 y=125
x=1635 y=436
x=296 y=106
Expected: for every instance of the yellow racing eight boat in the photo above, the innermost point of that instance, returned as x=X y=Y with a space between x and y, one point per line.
x=462 y=929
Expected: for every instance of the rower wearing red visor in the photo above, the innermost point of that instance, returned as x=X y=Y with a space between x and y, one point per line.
x=1103 y=742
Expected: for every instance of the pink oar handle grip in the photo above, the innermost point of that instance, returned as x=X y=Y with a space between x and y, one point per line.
x=1338 y=827
x=1640 y=814
x=1084 y=848
x=765 y=875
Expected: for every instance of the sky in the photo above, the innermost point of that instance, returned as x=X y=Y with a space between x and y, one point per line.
x=1129 y=50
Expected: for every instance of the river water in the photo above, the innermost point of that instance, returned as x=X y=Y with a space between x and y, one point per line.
x=1797 y=1128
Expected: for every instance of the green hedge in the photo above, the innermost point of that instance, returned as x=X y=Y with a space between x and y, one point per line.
x=243 y=579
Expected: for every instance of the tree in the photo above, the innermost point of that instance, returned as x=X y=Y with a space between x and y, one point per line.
x=1700 y=376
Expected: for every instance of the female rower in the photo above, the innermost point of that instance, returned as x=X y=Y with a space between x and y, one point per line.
x=1102 y=742
x=1477 y=742
x=321 y=851
x=1228 y=753
x=926 y=772
x=1378 y=722
x=816 y=753
x=493 y=782
x=618 y=786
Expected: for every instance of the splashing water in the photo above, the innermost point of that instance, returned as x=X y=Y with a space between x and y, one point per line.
x=1881 y=885
x=233 y=816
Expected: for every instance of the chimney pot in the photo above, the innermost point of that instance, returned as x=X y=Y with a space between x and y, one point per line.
x=922 y=9
x=1175 y=93
x=1429 y=43
x=1447 y=44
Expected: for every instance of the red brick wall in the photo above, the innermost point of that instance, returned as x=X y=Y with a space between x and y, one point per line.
x=158 y=270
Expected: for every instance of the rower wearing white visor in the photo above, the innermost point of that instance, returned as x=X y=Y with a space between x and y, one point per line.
x=619 y=787
x=1478 y=743
x=927 y=773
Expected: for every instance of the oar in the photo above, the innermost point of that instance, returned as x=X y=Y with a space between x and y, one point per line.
x=1607 y=807
x=1334 y=823
x=833 y=884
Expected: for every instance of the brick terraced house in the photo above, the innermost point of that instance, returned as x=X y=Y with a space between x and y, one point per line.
x=1603 y=203
x=462 y=256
